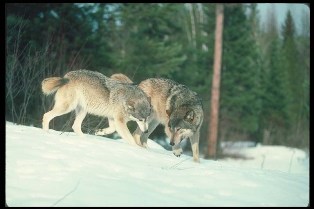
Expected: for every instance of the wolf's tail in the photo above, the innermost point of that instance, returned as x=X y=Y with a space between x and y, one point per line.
x=121 y=77
x=52 y=84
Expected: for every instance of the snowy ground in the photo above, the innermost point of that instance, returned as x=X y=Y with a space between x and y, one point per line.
x=61 y=169
x=279 y=158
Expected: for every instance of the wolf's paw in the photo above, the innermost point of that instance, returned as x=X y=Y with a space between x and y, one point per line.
x=99 y=132
x=144 y=145
x=46 y=130
x=177 y=152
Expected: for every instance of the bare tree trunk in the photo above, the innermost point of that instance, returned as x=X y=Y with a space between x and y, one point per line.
x=186 y=25
x=213 y=125
x=192 y=24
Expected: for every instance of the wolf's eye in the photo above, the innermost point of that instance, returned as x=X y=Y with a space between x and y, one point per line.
x=131 y=108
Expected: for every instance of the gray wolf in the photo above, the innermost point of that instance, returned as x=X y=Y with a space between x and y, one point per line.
x=121 y=77
x=92 y=92
x=176 y=107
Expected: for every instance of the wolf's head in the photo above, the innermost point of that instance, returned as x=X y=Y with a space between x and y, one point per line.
x=139 y=110
x=184 y=122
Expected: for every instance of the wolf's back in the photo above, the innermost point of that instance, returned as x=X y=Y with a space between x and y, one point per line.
x=122 y=78
x=52 y=84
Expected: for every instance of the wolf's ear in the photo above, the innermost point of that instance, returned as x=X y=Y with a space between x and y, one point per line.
x=130 y=104
x=168 y=112
x=189 y=116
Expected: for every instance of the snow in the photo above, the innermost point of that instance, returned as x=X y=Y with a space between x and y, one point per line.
x=279 y=158
x=62 y=169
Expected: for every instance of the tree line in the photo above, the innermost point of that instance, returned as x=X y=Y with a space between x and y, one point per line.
x=264 y=74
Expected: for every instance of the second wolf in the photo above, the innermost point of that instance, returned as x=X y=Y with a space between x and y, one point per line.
x=91 y=92
x=176 y=107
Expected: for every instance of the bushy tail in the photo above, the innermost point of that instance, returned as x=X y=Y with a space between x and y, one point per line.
x=122 y=78
x=51 y=85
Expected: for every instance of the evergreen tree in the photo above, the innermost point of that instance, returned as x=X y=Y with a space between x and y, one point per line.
x=46 y=40
x=295 y=80
x=240 y=101
x=291 y=65
x=265 y=78
x=147 y=33
x=197 y=68
x=274 y=116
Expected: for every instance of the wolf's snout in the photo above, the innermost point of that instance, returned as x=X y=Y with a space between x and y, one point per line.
x=172 y=143
x=146 y=131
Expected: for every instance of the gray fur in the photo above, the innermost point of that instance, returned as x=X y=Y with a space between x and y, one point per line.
x=89 y=92
x=176 y=107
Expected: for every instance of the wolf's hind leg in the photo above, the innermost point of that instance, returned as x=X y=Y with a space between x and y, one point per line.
x=80 y=115
x=64 y=103
x=58 y=109
x=105 y=131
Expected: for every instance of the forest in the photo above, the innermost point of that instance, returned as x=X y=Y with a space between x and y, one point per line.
x=265 y=69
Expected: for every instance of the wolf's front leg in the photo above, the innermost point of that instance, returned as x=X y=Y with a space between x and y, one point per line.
x=123 y=131
x=195 y=146
x=137 y=134
x=105 y=131
x=140 y=137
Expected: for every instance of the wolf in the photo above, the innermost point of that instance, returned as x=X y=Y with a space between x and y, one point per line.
x=92 y=92
x=121 y=77
x=176 y=107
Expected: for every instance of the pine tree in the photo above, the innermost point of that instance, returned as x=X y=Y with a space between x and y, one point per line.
x=240 y=101
x=147 y=31
x=274 y=115
x=48 y=40
x=295 y=80
x=291 y=65
x=199 y=55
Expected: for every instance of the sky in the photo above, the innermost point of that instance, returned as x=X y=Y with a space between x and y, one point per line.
x=281 y=9
x=61 y=169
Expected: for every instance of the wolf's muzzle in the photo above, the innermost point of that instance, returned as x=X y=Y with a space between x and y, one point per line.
x=172 y=143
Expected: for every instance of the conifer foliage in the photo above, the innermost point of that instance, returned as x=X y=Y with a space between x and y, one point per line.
x=264 y=93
